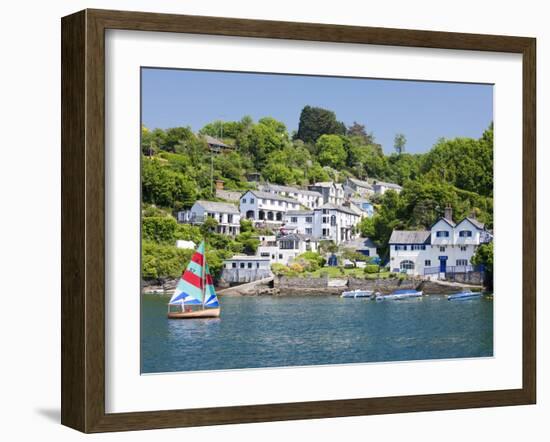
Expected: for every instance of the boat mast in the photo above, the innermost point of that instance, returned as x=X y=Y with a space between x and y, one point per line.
x=204 y=276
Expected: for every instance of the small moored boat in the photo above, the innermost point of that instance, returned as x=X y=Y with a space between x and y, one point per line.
x=399 y=294
x=464 y=296
x=358 y=293
x=194 y=296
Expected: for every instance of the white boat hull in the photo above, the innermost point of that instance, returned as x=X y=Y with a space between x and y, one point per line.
x=357 y=294
x=399 y=296
x=196 y=314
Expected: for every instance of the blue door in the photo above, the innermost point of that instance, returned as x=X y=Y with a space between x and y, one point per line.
x=442 y=264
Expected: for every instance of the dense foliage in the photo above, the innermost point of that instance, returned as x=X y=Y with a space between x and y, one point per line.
x=178 y=167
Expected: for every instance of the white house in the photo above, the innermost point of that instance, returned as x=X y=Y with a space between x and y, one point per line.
x=333 y=193
x=359 y=187
x=265 y=207
x=445 y=248
x=307 y=198
x=244 y=268
x=328 y=222
x=227 y=215
x=183 y=244
x=380 y=187
x=285 y=248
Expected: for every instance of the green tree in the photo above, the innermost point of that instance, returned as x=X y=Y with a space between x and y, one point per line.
x=332 y=151
x=316 y=121
x=484 y=256
x=399 y=143
x=208 y=227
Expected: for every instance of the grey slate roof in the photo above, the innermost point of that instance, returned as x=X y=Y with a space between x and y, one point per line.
x=289 y=189
x=295 y=237
x=214 y=206
x=410 y=237
x=214 y=141
x=272 y=196
x=475 y=222
x=360 y=183
x=390 y=185
x=331 y=206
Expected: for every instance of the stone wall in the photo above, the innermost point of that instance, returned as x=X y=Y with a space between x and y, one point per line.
x=320 y=286
x=467 y=278
x=384 y=286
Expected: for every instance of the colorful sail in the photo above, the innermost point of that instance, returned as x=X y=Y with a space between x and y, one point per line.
x=211 y=300
x=189 y=290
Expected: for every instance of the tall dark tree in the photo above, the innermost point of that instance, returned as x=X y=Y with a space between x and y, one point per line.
x=316 y=121
x=358 y=130
x=399 y=143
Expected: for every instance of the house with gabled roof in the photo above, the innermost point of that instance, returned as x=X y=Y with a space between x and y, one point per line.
x=266 y=208
x=226 y=214
x=446 y=248
x=307 y=198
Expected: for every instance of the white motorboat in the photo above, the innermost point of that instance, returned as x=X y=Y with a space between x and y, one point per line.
x=358 y=293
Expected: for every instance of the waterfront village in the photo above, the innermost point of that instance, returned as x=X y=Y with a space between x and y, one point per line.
x=308 y=219
x=295 y=221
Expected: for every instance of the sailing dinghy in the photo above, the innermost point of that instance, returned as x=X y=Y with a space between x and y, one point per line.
x=195 y=296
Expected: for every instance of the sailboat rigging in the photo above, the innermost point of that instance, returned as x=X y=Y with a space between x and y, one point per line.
x=195 y=294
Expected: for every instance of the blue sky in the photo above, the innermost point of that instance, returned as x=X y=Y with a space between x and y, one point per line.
x=423 y=111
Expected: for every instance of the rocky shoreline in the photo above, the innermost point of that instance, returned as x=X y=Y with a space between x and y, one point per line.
x=304 y=286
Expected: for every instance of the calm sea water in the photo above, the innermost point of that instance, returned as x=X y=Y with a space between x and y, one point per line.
x=257 y=332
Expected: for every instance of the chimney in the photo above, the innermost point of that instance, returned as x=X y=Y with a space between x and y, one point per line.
x=449 y=213
x=219 y=184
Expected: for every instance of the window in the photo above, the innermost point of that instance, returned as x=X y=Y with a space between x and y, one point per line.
x=406 y=265
x=251 y=200
x=325 y=219
x=264 y=254
x=442 y=234
x=325 y=212
x=243 y=201
x=293 y=219
x=442 y=249
x=463 y=248
x=309 y=231
x=427 y=263
x=272 y=256
x=249 y=265
x=461 y=262
x=465 y=233
x=309 y=219
x=418 y=247
x=234 y=265
x=242 y=265
x=400 y=247
x=280 y=256
x=257 y=265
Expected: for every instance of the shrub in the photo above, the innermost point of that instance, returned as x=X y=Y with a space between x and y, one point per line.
x=296 y=267
x=279 y=269
x=371 y=268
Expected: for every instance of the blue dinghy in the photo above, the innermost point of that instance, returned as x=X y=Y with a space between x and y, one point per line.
x=462 y=296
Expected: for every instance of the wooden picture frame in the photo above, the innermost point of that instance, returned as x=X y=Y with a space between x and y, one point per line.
x=83 y=220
